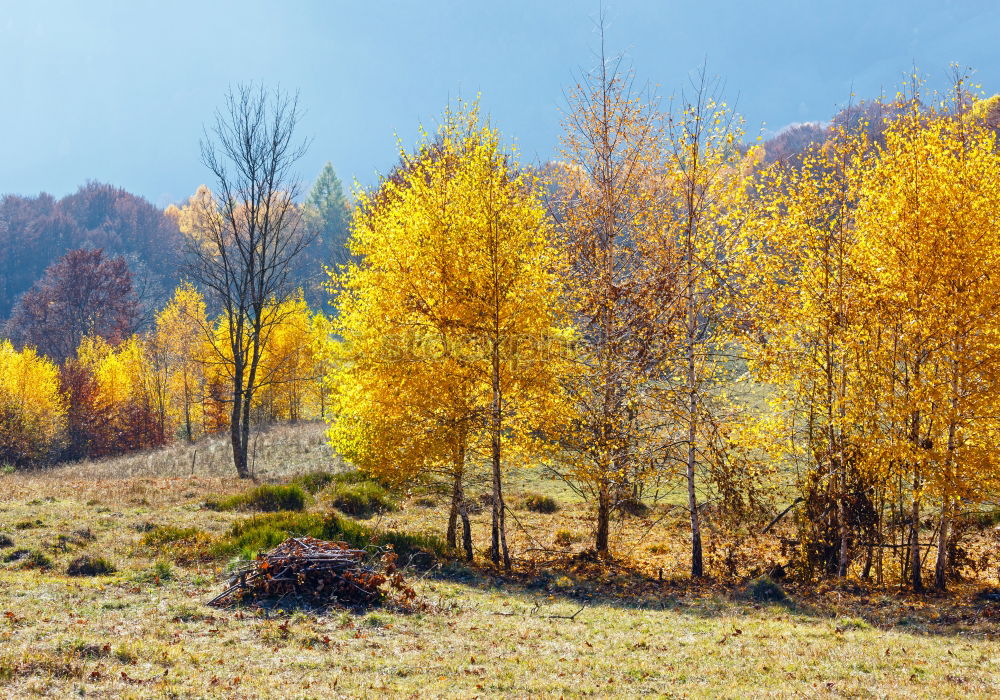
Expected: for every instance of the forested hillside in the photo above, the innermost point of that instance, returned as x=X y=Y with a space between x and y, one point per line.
x=37 y=231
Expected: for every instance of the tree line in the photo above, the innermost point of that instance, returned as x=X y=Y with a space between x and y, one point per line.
x=664 y=307
x=112 y=396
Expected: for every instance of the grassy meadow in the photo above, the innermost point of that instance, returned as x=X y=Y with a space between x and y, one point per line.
x=562 y=625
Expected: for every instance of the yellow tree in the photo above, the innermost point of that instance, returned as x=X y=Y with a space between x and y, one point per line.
x=704 y=208
x=928 y=243
x=291 y=365
x=180 y=342
x=125 y=403
x=800 y=299
x=32 y=406
x=449 y=320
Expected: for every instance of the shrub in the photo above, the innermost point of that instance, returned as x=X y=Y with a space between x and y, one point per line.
x=354 y=476
x=314 y=481
x=985 y=518
x=90 y=566
x=765 y=590
x=266 y=498
x=30 y=559
x=537 y=503
x=633 y=507
x=5 y=540
x=162 y=570
x=563 y=537
x=82 y=535
x=361 y=499
x=16 y=555
x=374 y=620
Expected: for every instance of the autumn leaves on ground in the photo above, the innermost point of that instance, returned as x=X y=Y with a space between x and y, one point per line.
x=673 y=415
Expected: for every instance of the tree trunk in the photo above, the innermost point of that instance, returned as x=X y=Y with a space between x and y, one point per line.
x=866 y=572
x=451 y=538
x=842 y=555
x=603 y=518
x=236 y=432
x=457 y=496
x=915 y=573
x=245 y=432
x=463 y=512
x=697 y=564
x=944 y=532
x=187 y=410
x=941 y=566
x=498 y=543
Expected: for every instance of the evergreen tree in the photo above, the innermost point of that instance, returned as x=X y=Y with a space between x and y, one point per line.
x=328 y=211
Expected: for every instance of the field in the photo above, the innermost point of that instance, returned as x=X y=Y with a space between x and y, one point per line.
x=559 y=627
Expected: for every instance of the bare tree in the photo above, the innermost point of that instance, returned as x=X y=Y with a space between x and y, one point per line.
x=242 y=254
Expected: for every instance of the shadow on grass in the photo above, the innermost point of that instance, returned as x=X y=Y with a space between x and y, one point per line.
x=616 y=584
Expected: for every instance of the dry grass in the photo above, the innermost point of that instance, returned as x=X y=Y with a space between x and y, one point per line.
x=144 y=631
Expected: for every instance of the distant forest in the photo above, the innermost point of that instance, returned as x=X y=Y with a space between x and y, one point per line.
x=35 y=232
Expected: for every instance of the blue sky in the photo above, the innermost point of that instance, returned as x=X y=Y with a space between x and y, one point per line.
x=119 y=91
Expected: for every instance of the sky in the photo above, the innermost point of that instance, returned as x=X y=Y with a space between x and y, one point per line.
x=120 y=91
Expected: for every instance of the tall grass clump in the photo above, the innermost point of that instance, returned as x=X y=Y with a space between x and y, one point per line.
x=314 y=481
x=537 y=503
x=248 y=537
x=362 y=498
x=266 y=498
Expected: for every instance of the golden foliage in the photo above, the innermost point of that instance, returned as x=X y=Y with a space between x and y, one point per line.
x=32 y=406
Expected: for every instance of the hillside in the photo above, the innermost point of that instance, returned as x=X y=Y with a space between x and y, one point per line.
x=37 y=231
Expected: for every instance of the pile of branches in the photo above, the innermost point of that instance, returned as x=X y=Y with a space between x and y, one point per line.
x=307 y=572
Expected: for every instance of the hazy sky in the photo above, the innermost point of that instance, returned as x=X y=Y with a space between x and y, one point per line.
x=118 y=91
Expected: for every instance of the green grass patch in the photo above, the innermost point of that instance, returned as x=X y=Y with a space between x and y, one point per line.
x=314 y=481
x=166 y=534
x=247 y=537
x=362 y=499
x=250 y=536
x=266 y=498
x=405 y=544
x=182 y=544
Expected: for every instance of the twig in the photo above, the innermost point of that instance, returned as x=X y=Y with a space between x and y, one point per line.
x=781 y=515
x=564 y=617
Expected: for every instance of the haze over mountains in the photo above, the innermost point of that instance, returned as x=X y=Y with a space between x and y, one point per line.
x=366 y=72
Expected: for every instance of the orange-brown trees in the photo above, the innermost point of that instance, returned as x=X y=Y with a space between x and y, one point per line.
x=610 y=218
